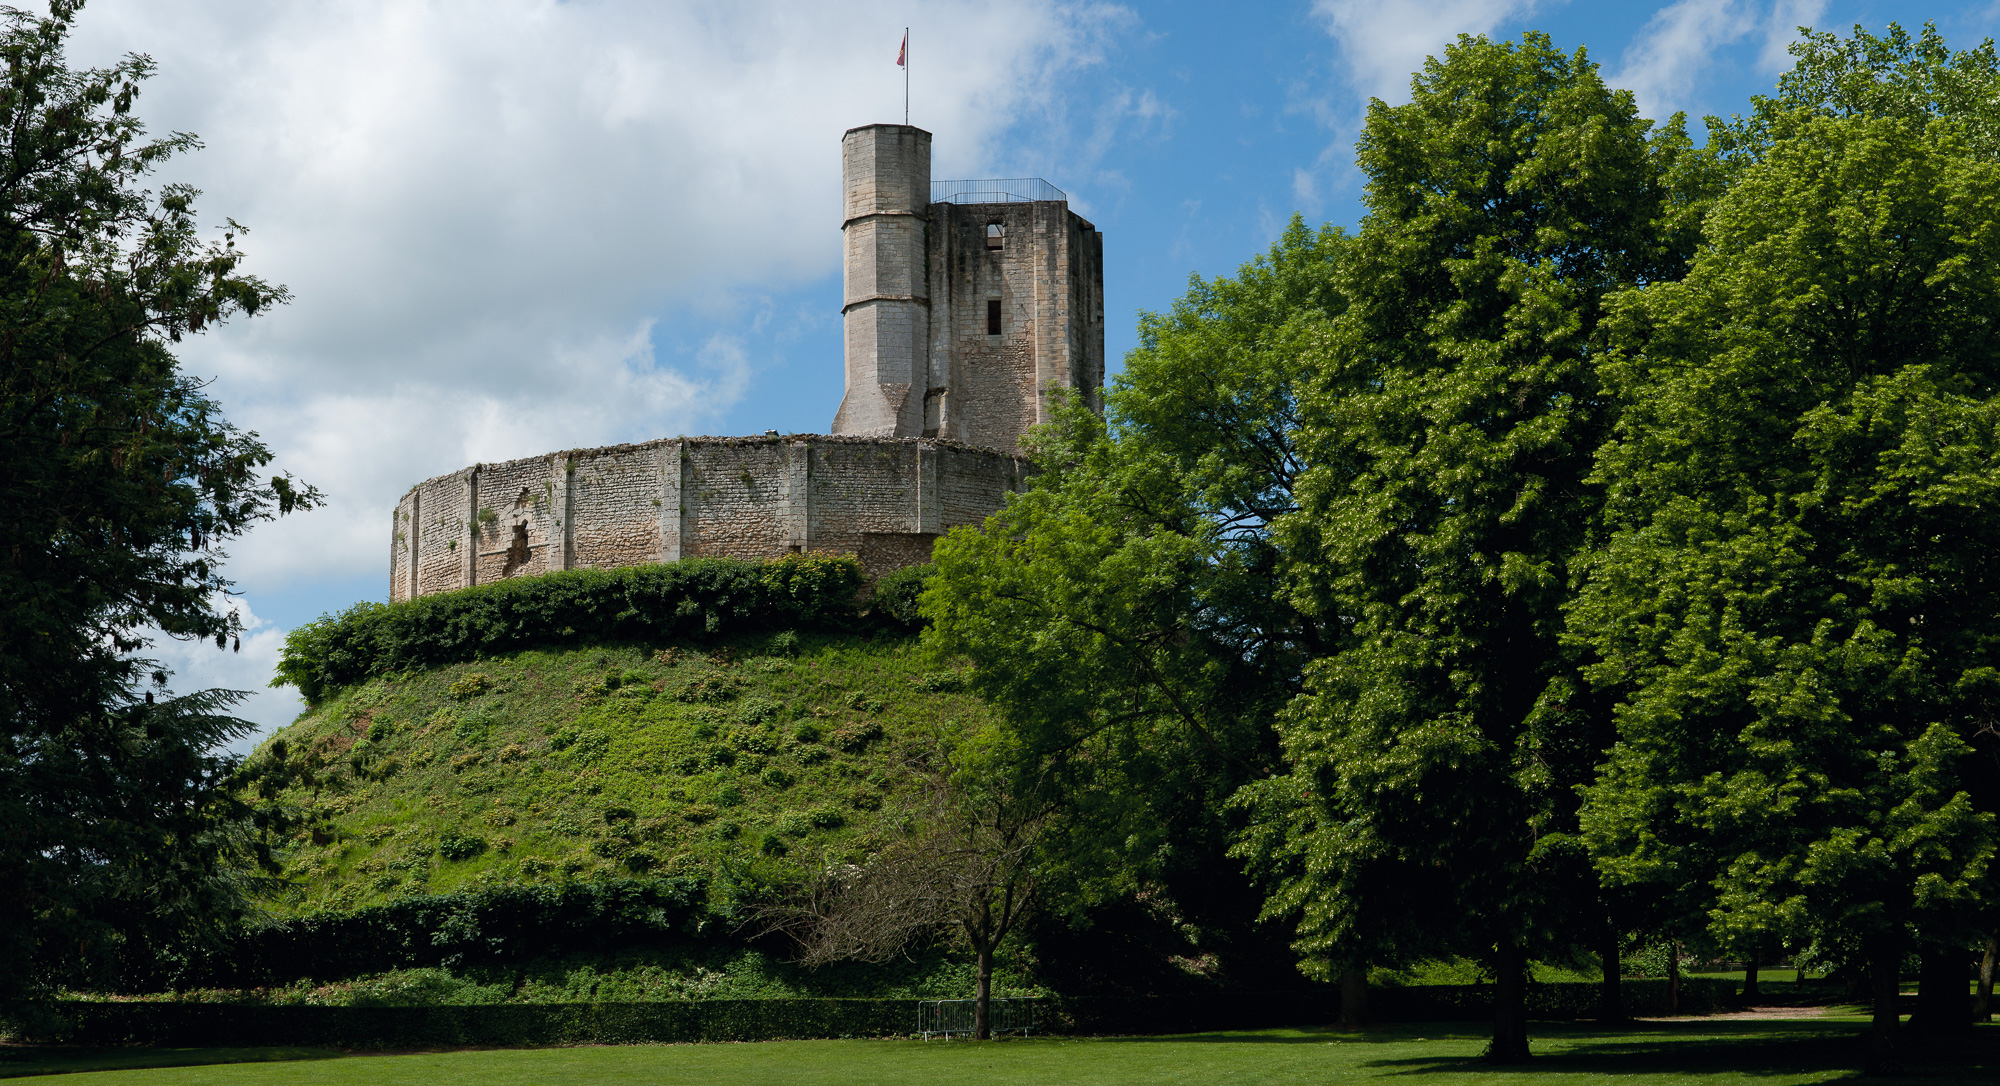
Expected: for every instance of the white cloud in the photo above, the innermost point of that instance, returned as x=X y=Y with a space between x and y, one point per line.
x=1383 y=43
x=1782 y=29
x=486 y=207
x=517 y=226
x=1665 y=62
x=199 y=665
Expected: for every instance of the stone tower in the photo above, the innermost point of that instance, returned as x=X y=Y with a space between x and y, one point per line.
x=967 y=303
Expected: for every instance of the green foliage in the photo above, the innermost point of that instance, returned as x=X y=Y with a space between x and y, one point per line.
x=1912 y=79
x=456 y=1014
x=466 y=928
x=897 y=594
x=703 y=597
x=597 y=762
x=434 y=1025
x=1793 y=602
x=1449 y=434
x=1123 y=613
x=124 y=484
x=1449 y=428
x=455 y=846
x=940 y=682
x=471 y=686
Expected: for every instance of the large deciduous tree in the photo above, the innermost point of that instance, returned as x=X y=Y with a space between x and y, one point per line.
x=1123 y=612
x=1796 y=604
x=1451 y=425
x=122 y=483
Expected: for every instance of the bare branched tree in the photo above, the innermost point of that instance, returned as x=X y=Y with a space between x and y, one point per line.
x=966 y=864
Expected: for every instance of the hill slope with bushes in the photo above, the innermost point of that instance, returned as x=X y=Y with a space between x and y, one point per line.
x=567 y=787
x=714 y=759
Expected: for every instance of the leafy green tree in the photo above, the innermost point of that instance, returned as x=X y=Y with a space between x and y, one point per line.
x=1449 y=430
x=1123 y=612
x=122 y=484
x=1895 y=75
x=1796 y=600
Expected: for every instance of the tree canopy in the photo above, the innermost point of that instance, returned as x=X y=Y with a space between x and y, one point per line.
x=1795 y=602
x=1448 y=428
x=1603 y=522
x=123 y=484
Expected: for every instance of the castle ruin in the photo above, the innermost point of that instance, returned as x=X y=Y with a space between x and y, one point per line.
x=967 y=305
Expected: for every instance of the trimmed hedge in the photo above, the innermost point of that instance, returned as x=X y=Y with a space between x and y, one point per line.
x=699 y=597
x=205 y=1025
x=1559 y=1000
x=216 y=1025
x=506 y=924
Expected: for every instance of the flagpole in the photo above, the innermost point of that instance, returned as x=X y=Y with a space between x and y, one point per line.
x=906 y=77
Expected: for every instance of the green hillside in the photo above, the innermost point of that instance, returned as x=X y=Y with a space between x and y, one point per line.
x=538 y=766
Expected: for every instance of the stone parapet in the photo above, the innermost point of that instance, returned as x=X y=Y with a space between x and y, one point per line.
x=885 y=500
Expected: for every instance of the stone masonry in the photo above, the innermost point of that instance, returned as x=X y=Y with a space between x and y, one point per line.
x=961 y=319
x=962 y=316
x=884 y=500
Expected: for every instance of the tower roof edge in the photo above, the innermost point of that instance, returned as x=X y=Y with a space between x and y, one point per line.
x=884 y=124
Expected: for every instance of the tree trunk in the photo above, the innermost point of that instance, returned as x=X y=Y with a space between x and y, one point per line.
x=1510 y=1006
x=1354 y=997
x=1942 y=1005
x=1611 y=996
x=1750 y=991
x=983 y=1001
x=1885 y=959
x=1982 y=1007
x=1674 y=977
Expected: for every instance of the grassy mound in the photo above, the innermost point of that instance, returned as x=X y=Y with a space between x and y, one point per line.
x=714 y=760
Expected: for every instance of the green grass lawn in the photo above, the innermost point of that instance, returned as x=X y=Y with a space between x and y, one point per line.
x=1765 y=1052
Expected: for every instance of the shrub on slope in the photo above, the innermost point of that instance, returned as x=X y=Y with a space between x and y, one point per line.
x=702 y=597
x=727 y=761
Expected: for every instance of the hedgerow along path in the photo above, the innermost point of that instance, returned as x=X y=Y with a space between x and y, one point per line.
x=1767 y=1053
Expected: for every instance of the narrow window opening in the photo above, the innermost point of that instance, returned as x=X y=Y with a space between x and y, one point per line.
x=996 y=235
x=992 y=316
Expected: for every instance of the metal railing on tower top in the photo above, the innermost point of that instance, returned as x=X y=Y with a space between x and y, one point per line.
x=997 y=190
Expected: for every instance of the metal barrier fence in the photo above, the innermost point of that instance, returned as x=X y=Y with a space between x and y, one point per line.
x=996 y=190
x=948 y=1018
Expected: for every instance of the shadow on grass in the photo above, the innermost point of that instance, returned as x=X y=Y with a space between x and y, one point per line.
x=1318 y=1035
x=1694 y=1047
x=17 y=1061
x=1750 y=1048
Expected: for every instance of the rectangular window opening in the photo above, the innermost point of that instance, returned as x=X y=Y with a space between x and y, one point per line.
x=992 y=316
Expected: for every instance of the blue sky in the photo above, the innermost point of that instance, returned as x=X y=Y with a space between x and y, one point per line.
x=515 y=226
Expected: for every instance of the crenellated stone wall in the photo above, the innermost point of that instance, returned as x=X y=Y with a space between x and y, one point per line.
x=883 y=499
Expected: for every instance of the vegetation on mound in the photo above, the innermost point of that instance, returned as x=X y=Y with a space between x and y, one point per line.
x=713 y=969
x=714 y=760
x=696 y=598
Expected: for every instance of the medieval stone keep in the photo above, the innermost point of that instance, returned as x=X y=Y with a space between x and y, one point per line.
x=968 y=305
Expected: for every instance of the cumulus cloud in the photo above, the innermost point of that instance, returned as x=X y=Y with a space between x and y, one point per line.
x=197 y=665
x=1665 y=62
x=1379 y=46
x=498 y=216
x=1382 y=43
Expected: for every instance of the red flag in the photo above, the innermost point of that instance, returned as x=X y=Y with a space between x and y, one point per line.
x=902 y=55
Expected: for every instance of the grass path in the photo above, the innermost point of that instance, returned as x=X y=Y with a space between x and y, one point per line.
x=1773 y=1053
